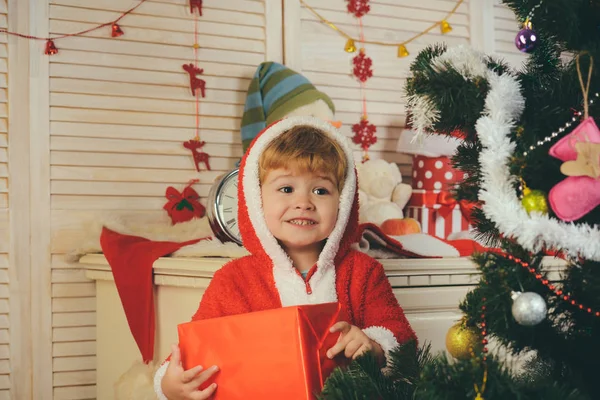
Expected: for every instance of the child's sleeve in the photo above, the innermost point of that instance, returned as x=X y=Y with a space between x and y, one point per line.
x=383 y=318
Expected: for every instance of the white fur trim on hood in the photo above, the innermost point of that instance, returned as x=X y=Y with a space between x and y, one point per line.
x=291 y=287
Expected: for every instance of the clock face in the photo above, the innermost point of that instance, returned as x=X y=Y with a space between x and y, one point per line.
x=227 y=206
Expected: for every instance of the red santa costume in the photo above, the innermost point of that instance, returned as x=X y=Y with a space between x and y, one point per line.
x=266 y=279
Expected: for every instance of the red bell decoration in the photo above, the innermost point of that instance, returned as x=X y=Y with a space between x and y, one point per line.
x=183 y=206
x=50 y=48
x=116 y=30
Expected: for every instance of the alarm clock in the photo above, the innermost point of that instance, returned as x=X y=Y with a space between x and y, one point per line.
x=222 y=208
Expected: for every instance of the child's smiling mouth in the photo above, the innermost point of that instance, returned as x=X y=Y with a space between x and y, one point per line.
x=302 y=222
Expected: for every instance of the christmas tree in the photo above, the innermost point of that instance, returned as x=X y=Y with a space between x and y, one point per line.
x=531 y=152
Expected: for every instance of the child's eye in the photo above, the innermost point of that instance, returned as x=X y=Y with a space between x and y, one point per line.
x=321 y=191
x=286 y=189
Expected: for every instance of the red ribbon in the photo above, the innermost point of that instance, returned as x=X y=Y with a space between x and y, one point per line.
x=446 y=202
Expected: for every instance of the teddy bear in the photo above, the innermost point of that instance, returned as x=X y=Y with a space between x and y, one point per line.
x=382 y=195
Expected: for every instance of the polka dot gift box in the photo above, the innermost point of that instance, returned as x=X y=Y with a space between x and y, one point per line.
x=431 y=202
x=434 y=173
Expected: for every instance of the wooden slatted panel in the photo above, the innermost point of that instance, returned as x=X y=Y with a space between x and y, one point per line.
x=325 y=63
x=120 y=109
x=5 y=384
x=506 y=28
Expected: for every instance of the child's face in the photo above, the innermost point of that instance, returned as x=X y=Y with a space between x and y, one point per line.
x=300 y=208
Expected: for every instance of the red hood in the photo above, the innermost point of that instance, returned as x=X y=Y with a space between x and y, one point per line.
x=255 y=235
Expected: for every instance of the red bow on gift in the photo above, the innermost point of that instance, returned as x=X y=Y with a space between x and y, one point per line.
x=183 y=206
x=448 y=203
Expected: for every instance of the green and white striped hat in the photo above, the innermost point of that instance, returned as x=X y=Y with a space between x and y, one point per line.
x=274 y=92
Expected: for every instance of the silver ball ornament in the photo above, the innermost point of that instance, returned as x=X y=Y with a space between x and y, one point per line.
x=528 y=308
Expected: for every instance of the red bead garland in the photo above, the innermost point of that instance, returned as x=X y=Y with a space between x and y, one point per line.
x=552 y=288
x=483 y=327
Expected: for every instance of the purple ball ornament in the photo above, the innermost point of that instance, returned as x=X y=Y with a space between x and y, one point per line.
x=526 y=40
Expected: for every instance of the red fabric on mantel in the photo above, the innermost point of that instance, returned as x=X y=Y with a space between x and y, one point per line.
x=131 y=259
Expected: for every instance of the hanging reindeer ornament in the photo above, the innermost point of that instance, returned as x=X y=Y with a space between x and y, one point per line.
x=195 y=82
x=195 y=144
x=196 y=5
x=199 y=156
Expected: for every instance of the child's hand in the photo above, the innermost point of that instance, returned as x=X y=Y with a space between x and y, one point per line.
x=178 y=384
x=354 y=342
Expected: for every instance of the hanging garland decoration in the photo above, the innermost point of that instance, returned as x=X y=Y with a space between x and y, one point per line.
x=50 y=47
x=364 y=131
x=361 y=7
x=480 y=389
x=198 y=89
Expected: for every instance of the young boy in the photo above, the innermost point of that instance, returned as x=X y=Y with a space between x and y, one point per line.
x=298 y=216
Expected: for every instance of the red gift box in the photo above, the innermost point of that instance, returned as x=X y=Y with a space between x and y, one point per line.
x=434 y=173
x=272 y=354
x=431 y=203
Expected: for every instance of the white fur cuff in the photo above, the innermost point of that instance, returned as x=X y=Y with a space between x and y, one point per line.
x=384 y=337
x=160 y=373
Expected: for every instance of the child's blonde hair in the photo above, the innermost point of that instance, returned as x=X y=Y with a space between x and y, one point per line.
x=306 y=149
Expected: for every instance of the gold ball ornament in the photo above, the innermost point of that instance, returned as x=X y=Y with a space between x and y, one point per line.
x=534 y=200
x=462 y=340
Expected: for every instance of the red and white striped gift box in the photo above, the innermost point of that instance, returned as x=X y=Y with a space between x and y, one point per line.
x=439 y=214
